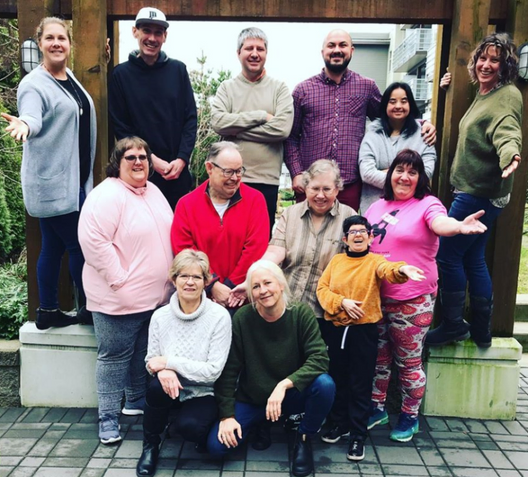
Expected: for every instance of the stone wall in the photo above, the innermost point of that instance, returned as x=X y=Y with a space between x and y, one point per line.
x=9 y=373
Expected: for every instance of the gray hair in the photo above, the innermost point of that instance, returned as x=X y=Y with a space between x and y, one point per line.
x=320 y=167
x=218 y=147
x=276 y=271
x=248 y=33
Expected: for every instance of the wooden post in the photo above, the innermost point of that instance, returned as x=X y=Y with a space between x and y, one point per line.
x=90 y=33
x=470 y=23
x=508 y=235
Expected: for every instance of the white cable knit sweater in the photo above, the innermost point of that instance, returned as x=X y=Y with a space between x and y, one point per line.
x=196 y=345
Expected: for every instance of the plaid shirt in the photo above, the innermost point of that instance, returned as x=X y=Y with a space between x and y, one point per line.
x=308 y=252
x=329 y=122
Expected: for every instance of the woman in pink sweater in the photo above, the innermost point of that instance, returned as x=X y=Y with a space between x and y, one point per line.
x=124 y=232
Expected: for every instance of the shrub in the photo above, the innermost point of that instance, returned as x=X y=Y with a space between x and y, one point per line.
x=13 y=297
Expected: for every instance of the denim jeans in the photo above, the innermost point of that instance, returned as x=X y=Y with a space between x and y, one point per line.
x=121 y=349
x=461 y=258
x=59 y=234
x=315 y=401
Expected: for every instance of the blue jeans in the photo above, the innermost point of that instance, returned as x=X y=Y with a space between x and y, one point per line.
x=59 y=234
x=315 y=401
x=461 y=258
x=121 y=349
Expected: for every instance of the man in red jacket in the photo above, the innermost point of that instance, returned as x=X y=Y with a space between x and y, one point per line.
x=225 y=219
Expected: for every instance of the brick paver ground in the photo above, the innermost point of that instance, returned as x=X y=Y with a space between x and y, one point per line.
x=63 y=443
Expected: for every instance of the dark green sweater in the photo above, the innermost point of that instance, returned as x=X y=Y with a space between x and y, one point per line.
x=262 y=354
x=490 y=135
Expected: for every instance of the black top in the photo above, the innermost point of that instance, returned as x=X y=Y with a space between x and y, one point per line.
x=155 y=103
x=84 y=127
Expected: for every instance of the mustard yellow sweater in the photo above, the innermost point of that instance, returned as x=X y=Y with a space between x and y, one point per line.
x=356 y=278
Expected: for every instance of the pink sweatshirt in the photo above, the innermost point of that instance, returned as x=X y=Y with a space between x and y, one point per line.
x=124 y=234
x=403 y=232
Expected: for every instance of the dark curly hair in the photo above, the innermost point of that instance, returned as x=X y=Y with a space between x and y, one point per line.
x=122 y=146
x=509 y=61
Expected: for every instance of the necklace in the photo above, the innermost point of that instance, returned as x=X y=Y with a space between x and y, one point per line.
x=77 y=99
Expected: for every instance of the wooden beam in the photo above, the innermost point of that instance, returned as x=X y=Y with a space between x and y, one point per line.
x=470 y=22
x=373 y=11
x=90 y=33
x=508 y=235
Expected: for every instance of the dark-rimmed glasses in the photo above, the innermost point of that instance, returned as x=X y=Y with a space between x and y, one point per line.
x=229 y=172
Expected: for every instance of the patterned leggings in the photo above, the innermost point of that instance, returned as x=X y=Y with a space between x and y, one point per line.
x=401 y=335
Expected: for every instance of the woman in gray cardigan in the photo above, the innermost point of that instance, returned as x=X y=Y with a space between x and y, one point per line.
x=57 y=124
x=396 y=129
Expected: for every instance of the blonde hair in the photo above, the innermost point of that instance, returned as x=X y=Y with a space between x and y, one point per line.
x=48 y=21
x=276 y=272
x=187 y=258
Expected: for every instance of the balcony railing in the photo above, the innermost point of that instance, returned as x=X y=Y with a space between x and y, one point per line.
x=413 y=49
x=430 y=62
x=419 y=87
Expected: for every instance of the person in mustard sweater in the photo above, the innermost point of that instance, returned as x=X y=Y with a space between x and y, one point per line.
x=349 y=292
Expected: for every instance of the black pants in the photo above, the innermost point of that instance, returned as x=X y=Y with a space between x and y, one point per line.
x=173 y=190
x=352 y=369
x=194 y=417
x=271 y=193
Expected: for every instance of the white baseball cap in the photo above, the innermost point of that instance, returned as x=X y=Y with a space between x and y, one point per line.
x=151 y=15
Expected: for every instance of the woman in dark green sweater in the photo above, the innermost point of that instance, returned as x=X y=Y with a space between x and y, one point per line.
x=488 y=151
x=277 y=365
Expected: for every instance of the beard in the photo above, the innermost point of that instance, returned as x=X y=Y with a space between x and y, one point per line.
x=337 y=68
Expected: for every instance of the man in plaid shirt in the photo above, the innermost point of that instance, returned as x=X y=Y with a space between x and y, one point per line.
x=330 y=117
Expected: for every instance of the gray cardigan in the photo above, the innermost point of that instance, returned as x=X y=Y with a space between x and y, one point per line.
x=376 y=154
x=50 y=161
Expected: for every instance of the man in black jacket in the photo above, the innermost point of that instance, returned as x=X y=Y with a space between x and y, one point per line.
x=150 y=96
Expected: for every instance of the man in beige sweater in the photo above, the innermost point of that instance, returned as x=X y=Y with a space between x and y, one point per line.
x=255 y=112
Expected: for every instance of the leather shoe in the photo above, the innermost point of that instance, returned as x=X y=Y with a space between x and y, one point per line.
x=148 y=461
x=302 y=461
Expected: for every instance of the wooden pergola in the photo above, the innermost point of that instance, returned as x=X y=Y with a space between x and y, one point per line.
x=464 y=23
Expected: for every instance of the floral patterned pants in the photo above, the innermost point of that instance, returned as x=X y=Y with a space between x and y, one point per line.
x=401 y=336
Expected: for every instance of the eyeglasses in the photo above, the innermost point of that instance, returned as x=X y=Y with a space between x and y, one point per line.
x=357 y=232
x=229 y=172
x=132 y=158
x=324 y=190
x=185 y=278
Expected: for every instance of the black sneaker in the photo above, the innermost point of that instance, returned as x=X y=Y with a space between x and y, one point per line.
x=356 y=450
x=334 y=434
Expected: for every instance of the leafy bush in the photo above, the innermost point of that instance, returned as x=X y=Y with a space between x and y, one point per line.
x=205 y=86
x=13 y=297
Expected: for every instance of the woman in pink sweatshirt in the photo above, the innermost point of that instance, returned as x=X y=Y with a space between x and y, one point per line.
x=124 y=232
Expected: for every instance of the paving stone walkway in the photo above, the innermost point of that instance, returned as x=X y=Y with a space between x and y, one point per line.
x=43 y=442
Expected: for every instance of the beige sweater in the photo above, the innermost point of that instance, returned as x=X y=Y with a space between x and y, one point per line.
x=239 y=114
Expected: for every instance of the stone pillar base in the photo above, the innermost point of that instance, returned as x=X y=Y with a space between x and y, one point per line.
x=466 y=381
x=57 y=366
x=9 y=373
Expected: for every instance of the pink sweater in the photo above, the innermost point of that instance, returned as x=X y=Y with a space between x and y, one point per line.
x=124 y=234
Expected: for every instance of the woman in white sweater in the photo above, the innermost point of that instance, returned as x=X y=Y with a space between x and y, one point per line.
x=189 y=340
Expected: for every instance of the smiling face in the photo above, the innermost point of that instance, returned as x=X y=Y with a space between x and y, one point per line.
x=189 y=283
x=222 y=188
x=398 y=107
x=358 y=238
x=321 y=193
x=487 y=69
x=404 y=181
x=55 y=45
x=252 y=57
x=134 y=172
x=150 y=39
x=337 y=51
x=266 y=290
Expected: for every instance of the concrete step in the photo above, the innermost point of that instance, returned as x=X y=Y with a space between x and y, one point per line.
x=521 y=308
x=520 y=333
